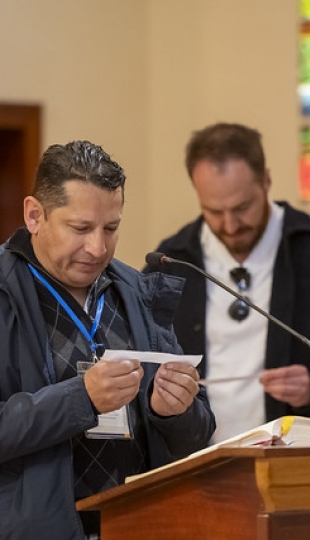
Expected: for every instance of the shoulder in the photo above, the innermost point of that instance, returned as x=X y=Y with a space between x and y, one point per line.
x=184 y=244
x=187 y=233
x=155 y=293
x=8 y=261
x=147 y=283
x=296 y=238
x=295 y=221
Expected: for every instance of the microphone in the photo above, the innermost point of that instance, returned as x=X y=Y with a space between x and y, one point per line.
x=155 y=259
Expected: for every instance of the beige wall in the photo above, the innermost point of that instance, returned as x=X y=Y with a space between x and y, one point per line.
x=137 y=76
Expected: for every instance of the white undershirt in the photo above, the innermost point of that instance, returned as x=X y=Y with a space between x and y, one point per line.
x=238 y=348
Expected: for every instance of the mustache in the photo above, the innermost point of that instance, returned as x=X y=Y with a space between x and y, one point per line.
x=92 y=261
x=240 y=231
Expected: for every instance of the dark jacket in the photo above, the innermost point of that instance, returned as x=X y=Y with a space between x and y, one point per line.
x=38 y=416
x=290 y=299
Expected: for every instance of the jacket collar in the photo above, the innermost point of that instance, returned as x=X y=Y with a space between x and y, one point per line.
x=295 y=221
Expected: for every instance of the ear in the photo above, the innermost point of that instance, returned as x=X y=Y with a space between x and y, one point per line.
x=267 y=180
x=33 y=214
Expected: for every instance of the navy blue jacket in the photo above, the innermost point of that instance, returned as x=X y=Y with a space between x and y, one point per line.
x=39 y=416
x=290 y=298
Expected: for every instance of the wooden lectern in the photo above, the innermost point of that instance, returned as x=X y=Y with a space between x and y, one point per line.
x=231 y=493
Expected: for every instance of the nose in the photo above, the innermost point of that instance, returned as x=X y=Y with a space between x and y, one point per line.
x=95 y=244
x=230 y=223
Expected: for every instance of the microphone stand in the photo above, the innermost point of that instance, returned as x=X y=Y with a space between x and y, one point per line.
x=161 y=258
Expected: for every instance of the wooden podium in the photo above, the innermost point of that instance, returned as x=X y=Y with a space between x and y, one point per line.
x=231 y=493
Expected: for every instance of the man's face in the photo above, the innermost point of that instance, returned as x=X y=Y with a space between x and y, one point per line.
x=77 y=241
x=234 y=203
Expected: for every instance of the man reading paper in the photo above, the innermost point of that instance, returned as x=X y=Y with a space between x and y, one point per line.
x=63 y=300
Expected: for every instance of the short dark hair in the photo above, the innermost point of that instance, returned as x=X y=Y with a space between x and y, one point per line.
x=220 y=142
x=77 y=160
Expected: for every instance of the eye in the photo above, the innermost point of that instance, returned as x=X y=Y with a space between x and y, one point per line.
x=244 y=207
x=111 y=229
x=213 y=212
x=80 y=229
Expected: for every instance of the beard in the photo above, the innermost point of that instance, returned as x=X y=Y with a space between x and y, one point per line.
x=243 y=241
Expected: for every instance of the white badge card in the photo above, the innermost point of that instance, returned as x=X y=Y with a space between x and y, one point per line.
x=112 y=425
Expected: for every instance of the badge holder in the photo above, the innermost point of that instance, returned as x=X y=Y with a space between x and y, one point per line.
x=112 y=425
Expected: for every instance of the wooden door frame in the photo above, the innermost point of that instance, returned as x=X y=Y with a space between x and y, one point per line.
x=26 y=119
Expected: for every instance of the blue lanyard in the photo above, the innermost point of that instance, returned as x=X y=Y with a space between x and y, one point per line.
x=89 y=335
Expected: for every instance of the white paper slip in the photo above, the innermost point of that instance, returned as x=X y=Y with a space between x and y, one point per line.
x=151 y=356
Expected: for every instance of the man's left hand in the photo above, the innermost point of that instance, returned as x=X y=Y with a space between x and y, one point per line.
x=175 y=387
x=290 y=384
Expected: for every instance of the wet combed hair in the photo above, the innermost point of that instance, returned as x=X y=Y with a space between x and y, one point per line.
x=220 y=142
x=77 y=160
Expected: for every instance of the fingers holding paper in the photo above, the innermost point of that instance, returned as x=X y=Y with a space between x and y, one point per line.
x=175 y=387
x=290 y=384
x=110 y=385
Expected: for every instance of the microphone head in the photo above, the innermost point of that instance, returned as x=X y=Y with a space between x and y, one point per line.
x=155 y=258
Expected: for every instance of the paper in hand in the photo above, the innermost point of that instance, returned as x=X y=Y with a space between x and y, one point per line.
x=151 y=356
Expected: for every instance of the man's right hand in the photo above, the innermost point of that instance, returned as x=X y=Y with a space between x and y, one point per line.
x=110 y=385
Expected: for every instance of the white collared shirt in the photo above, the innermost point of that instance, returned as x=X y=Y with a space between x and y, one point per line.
x=238 y=348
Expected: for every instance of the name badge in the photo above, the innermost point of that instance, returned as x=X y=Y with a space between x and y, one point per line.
x=112 y=425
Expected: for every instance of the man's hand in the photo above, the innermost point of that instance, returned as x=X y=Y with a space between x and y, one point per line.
x=110 y=385
x=175 y=386
x=290 y=384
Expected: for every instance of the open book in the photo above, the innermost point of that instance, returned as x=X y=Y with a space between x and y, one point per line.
x=285 y=431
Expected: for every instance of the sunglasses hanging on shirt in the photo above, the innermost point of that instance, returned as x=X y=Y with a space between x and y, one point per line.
x=239 y=310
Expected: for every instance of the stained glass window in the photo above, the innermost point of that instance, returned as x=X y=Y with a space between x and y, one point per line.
x=304 y=97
